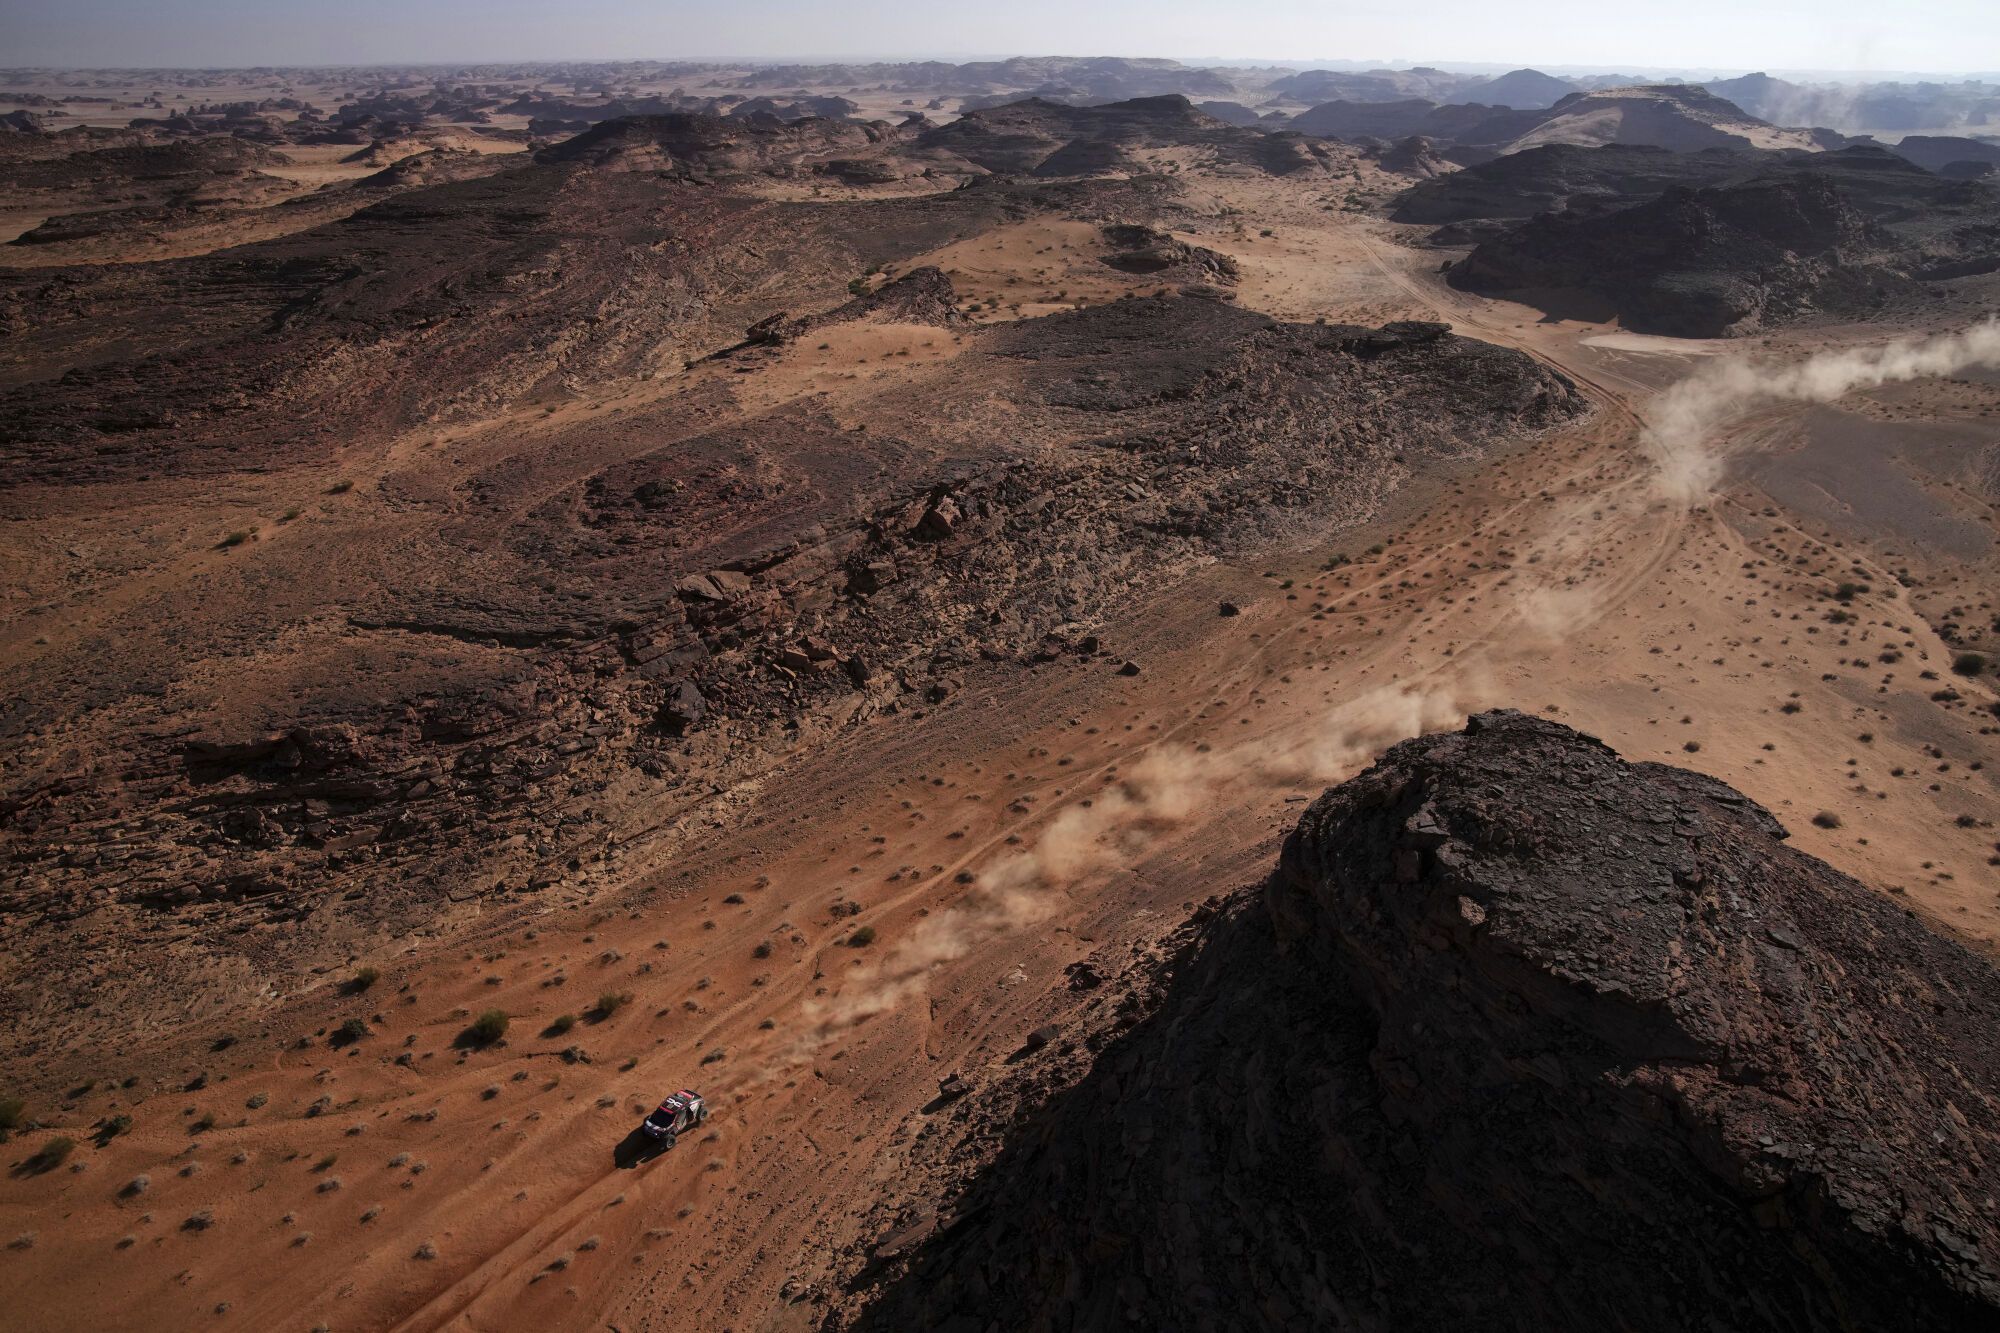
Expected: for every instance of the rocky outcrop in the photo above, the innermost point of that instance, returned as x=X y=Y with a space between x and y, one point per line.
x=697 y=146
x=1415 y=156
x=1841 y=234
x=1935 y=152
x=1696 y=263
x=1048 y=138
x=1139 y=249
x=1557 y=176
x=1519 y=1036
x=921 y=296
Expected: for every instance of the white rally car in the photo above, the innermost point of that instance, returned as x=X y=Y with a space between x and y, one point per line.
x=674 y=1117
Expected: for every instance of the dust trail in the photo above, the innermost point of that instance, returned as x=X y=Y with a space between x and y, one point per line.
x=1693 y=429
x=1562 y=589
x=1160 y=791
x=1685 y=437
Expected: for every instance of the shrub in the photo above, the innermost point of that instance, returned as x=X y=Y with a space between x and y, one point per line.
x=610 y=1003
x=1968 y=664
x=1826 y=819
x=486 y=1029
x=363 y=978
x=340 y=488
x=353 y=1030
x=12 y=1109
x=49 y=1156
x=763 y=949
x=203 y=1125
x=111 y=1127
x=561 y=1024
x=861 y=938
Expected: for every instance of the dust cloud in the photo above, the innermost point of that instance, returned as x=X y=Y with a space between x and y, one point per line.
x=1157 y=793
x=1685 y=435
x=1688 y=438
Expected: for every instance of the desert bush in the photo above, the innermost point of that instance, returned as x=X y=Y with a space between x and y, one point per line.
x=49 y=1156
x=353 y=1030
x=1969 y=664
x=861 y=938
x=1826 y=819
x=610 y=1003
x=486 y=1029
x=363 y=978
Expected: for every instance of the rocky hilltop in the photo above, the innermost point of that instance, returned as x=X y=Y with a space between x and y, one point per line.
x=1047 y=138
x=698 y=145
x=1841 y=234
x=1555 y=176
x=1519 y=1036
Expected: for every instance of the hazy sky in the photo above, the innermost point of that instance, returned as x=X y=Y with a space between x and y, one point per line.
x=1613 y=35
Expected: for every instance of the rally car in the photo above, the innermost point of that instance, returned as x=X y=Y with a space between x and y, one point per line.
x=674 y=1116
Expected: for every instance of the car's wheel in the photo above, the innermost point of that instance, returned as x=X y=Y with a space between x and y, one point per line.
x=666 y=1142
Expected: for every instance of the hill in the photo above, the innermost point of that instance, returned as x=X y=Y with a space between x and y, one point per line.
x=1523 y=89
x=1673 y=116
x=1587 y=1027
x=1834 y=235
x=1041 y=137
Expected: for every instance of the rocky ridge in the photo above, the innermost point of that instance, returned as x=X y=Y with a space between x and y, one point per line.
x=1519 y=1036
x=1835 y=235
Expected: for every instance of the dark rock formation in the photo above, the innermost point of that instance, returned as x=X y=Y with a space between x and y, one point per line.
x=1557 y=176
x=1837 y=234
x=1695 y=263
x=1137 y=249
x=1470 y=123
x=1520 y=1036
x=1049 y=138
x=1935 y=152
x=1414 y=156
x=703 y=146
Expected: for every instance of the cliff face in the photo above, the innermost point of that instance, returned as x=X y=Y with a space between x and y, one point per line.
x=1519 y=1036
